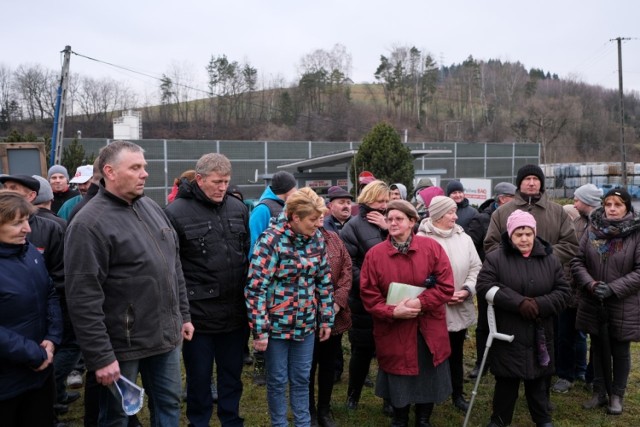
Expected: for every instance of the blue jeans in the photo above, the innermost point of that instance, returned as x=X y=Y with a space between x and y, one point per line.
x=162 y=385
x=199 y=354
x=289 y=362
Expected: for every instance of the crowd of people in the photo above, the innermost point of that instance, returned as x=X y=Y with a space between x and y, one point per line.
x=101 y=280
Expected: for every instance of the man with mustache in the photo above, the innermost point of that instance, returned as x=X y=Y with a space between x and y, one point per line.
x=340 y=207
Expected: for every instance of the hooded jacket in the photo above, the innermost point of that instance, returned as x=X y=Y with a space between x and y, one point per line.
x=395 y=339
x=125 y=289
x=465 y=214
x=466 y=266
x=553 y=225
x=289 y=292
x=610 y=252
x=29 y=314
x=214 y=246
x=261 y=214
x=539 y=276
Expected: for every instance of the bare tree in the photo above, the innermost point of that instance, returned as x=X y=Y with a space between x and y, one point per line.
x=37 y=88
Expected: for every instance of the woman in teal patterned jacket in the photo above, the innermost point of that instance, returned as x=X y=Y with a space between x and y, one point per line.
x=290 y=298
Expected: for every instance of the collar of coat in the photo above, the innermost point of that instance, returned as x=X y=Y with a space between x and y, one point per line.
x=541 y=247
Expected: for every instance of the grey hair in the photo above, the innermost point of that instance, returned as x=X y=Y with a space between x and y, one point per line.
x=213 y=162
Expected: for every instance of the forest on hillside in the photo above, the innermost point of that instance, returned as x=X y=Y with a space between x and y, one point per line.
x=474 y=101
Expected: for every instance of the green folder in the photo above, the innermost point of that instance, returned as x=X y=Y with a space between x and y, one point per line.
x=399 y=291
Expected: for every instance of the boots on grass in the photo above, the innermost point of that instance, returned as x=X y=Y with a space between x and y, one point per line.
x=615 y=405
x=400 y=417
x=597 y=400
x=325 y=419
x=423 y=414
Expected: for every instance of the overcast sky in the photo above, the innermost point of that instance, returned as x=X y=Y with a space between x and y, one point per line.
x=567 y=37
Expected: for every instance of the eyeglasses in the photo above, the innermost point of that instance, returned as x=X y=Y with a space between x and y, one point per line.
x=398 y=220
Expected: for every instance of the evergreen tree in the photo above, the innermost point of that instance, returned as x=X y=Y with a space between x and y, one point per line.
x=383 y=153
x=73 y=155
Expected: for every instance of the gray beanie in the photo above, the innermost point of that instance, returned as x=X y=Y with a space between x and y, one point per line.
x=45 y=193
x=58 y=169
x=589 y=194
x=282 y=182
x=439 y=206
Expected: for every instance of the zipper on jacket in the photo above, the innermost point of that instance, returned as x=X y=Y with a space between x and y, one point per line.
x=128 y=323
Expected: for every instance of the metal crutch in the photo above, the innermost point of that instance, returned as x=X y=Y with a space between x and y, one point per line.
x=493 y=333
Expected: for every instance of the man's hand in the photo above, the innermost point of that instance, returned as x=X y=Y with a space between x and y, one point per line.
x=261 y=345
x=405 y=311
x=324 y=334
x=109 y=374
x=187 y=331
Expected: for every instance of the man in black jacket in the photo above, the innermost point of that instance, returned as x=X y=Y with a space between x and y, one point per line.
x=213 y=227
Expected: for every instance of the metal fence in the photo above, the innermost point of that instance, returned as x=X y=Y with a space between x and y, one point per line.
x=167 y=159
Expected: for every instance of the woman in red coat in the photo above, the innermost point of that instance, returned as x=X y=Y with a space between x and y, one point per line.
x=412 y=342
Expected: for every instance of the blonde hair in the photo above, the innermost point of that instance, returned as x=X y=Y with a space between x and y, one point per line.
x=373 y=191
x=304 y=202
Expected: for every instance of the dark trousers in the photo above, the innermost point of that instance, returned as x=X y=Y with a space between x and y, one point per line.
x=31 y=408
x=339 y=359
x=505 y=397
x=482 y=332
x=572 y=347
x=324 y=354
x=621 y=365
x=67 y=353
x=361 y=356
x=456 y=361
x=199 y=355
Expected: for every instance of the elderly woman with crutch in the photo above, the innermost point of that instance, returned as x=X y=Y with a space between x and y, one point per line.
x=607 y=272
x=532 y=289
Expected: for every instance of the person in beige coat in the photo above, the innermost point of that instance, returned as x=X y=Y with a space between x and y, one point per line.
x=465 y=262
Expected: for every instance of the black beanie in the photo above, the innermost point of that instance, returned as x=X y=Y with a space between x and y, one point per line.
x=527 y=170
x=623 y=194
x=282 y=182
x=454 y=186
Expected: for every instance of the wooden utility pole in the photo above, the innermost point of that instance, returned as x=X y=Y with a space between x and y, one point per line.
x=623 y=152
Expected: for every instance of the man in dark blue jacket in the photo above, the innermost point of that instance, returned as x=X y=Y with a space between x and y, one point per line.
x=213 y=228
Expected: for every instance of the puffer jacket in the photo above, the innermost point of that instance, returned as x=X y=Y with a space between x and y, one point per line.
x=359 y=235
x=29 y=314
x=553 y=225
x=479 y=225
x=465 y=214
x=610 y=252
x=466 y=266
x=539 y=276
x=289 y=291
x=214 y=247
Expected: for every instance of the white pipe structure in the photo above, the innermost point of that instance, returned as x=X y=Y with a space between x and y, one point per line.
x=493 y=334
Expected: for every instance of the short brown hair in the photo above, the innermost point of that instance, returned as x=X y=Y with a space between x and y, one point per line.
x=13 y=205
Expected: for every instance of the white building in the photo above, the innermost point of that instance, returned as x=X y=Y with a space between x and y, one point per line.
x=128 y=127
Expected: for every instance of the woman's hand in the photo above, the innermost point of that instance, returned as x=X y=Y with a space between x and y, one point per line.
x=406 y=309
x=459 y=297
x=261 y=345
x=324 y=334
x=49 y=348
x=336 y=308
x=378 y=219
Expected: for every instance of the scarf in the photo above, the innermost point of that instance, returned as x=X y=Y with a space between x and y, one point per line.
x=606 y=235
x=403 y=247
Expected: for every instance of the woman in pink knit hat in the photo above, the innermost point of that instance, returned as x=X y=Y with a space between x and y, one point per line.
x=530 y=289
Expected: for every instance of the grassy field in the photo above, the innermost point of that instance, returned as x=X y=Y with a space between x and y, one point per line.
x=568 y=411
